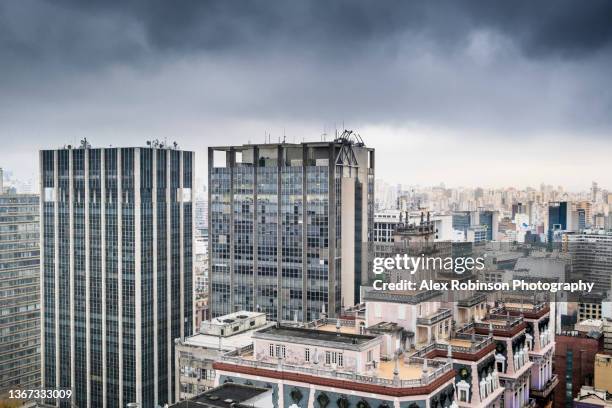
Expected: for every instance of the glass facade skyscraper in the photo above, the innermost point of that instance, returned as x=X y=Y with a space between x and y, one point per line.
x=117 y=239
x=462 y=220
x=557 y=216
x=289 y=227
x=487 y=219
x=19 y=292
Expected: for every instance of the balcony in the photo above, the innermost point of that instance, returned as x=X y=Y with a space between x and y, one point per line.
x=502 y=325
x=529 y=310
x=460 y=343
x=546 y=389
x=434 y=317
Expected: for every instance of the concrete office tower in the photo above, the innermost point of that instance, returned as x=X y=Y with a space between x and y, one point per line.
x=117 y=239
x=289 y=227
x=20 y=294
x=591 y=252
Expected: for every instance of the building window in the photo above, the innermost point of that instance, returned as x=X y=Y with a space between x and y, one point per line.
x=369 y=357
x=463 y=389
x=271 y=350
x=327 y=357
x=500 y=363
x=283 y=351
x=307 y=355
x=340 y=360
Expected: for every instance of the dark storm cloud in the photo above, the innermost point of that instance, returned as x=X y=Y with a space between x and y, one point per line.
x=86 y=32
x=504 y=67
x=478 y=75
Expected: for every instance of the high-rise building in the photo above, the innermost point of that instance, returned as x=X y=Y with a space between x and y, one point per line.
x=462 y=220
x=591 y=252
x=557 y=218
x=594 y=191
x=117 y=271
x=20 y=293
x=490 y=220
x=289 y=227
x=587 y=210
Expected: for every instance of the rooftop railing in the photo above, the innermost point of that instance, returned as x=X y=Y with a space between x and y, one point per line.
x=330 y=321
x=434 y=318
x=499 y=322
x=522 y=305
x=435 y=369
x=478 y=342
x=412 y=298
x=472 y=300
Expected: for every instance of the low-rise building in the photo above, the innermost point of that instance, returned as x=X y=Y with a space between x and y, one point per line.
x=574 y=363
x=319 y=366
x=195 y=355
x=603 y=372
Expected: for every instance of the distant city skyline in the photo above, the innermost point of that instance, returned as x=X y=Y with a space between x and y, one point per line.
x=574 y=173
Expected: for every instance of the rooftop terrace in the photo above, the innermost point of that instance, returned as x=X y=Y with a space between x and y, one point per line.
x=325 y=335
x=412 y=371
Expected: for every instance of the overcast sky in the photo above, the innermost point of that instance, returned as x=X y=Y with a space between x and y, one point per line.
x=489 y=93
